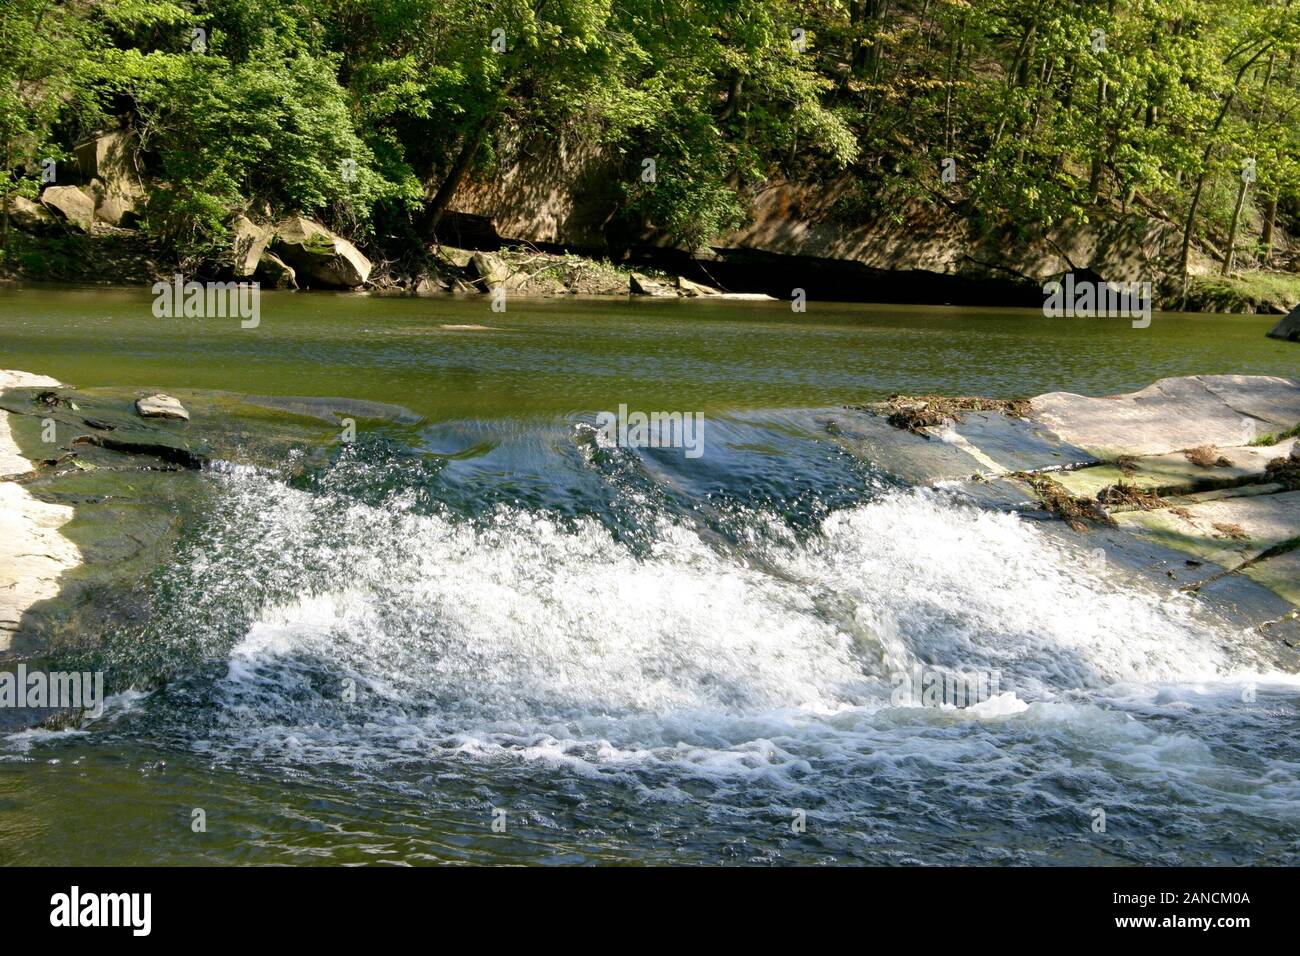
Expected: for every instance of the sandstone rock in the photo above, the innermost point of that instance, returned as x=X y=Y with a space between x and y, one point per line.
x=114 y=206
x=33 y=554
x=11 y=461
x=72 y=204
x=29 y=216
x=161 y=406
x=1289 y=328
x=1226 y=531
x=488 y=269
x=248 y=242
x=695 y=288
x=107 y=162
x=1172 y=414
x=318 y=256
x=643 y=285
x=13 y=378
x=431 y=283
x=1174 y=473
x=274 y=273
x=107 y=155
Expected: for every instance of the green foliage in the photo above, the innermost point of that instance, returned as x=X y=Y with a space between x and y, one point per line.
x=1045 y=123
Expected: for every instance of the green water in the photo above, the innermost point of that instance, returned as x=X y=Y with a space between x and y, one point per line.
x=637 y=656
x=557 y=356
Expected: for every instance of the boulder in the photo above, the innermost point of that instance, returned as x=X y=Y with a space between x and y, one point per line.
x=1289 y=328
x=29 y=216
x=107 y=155
x=1172 y=414
x=248 y=242
x=488 y=269
x=318 y=256
x=107 y=162
x=33 y=554
x=116 y=206
x=431 y=282
x=72 y=204
x=274 y=273
x=642 y=285
x=161 y=406
x=688 y=287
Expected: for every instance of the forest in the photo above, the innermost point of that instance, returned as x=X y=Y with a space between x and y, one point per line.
x=1044 y=111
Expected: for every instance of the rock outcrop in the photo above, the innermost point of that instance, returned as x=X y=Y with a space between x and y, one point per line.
x=33 y=554
x=1187 y=483
x=161 y=406
x=639 y=284
x=1173 y=414
x=1289 y=328
x=488 y=270
x=72 y=204
x=274 y=273
x=687 y=287
x=318 y=256
x=247 y=244
x=563 y=191
x=29 y=216
x=107 y=164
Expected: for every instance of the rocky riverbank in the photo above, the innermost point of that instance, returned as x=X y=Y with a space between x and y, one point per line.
x=1191 y=483
x=33 y=553
x=91 y=228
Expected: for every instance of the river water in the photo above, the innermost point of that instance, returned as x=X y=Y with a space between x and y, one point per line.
x=487 y=612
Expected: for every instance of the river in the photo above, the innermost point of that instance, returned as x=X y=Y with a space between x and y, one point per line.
x=486 y=613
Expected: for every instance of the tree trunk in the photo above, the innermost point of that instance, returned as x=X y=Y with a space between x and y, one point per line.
x=464 y=160
x=1232 y=229
x=4 y=230
x=1205 y=164
x=1094 y=175
x=1270 y=220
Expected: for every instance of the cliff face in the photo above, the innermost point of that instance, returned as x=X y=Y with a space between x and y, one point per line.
x=566 y=194
x=555 y=192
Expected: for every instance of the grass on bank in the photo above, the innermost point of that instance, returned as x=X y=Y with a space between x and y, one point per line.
x=1257 y=291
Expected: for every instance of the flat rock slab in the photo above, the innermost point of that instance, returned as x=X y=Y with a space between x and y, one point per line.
x=1228 y=531
x=12 y=463
x=1174 y=473
x=33 y=554
x=1280 y=574
x=14 y=379
x=1172 y=414
x=1016 y=444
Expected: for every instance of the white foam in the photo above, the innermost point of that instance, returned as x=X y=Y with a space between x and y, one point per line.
x=526 y=639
